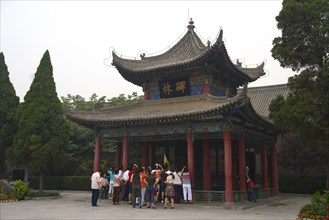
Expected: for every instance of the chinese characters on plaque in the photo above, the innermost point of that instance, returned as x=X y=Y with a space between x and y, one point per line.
x=174 y=87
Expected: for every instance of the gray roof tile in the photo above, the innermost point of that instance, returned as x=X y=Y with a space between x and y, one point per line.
x=189 y=52
x=261 y=97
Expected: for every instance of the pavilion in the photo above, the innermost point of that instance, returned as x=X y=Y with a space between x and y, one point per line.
x=197 y=106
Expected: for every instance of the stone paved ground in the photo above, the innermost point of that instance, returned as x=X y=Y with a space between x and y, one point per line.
x=77 y=205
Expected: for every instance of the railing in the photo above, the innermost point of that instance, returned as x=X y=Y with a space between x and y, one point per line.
x=270 y=192
x=238 y=196
x=259 y=180
x=207 y=196
x=260 y=193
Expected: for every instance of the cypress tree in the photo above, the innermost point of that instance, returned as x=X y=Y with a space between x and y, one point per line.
x=8 y=105
x=43 y=133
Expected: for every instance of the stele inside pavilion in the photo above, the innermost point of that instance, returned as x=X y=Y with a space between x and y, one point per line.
x=197 y=110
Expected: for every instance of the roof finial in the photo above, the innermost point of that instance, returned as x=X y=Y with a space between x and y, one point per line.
x=191 y=26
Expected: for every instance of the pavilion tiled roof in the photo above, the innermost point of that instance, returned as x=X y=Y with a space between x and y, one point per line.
x=253 y=102
x=261 y=97
x=189 y=52
x=158 y=111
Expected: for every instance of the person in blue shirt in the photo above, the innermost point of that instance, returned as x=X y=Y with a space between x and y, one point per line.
x=111 y=179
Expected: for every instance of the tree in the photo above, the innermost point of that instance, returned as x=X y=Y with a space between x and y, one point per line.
x=304 y=46
x=8 y=105
x=121 y=100
x=82 y=140
x=79 y=103
x=43 y=133
x=293 y=154
x=305 y=31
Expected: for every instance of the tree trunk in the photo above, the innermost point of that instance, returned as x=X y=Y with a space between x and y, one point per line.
x=2 y=172
x=41 y=181
x=327 y=183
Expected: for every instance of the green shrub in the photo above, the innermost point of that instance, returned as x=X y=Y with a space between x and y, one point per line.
x=318 y=209
x=62 y=182
x=20 y=190
x=5 y=188
x=301 y=186
x=307 y=207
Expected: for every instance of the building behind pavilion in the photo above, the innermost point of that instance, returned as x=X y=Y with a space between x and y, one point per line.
x=197 y=107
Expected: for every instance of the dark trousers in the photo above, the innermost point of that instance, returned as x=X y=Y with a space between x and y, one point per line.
x=136 y=193
x=104 y=192
x=149 y=195
x=178 y=193
x=127 y=190
x=116 y=194
x=162 y=190
x=251 y=194
x=94 y=196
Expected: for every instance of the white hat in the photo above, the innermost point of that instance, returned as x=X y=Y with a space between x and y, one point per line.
x=153 y=171
x=168 y=172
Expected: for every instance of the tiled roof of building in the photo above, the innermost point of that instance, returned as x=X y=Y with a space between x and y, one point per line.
x=261 y=97
x=178 y=109
x=187 y=53
x=163 y=110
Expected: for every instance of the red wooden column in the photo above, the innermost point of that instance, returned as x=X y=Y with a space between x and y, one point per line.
x=217 y=161
x=152 y=156
x=125 y=151
x=118 y=156
x=228 y=166
x=206 y=165
x=190 y=155
x=242 y=166
x=234 y=164
x=98 y=149
x=146 y=92
x=206 y=88
x=264 y=170
x=255 y=167
x=274 y=170
x=146 y=95
x=145 y=154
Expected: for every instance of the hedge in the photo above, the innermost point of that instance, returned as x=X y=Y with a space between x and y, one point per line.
x=286 y=185
x=301 y=185
x=62 y=182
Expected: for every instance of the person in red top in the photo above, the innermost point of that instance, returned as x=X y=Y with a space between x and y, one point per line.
x=131 y=172
x=250 y=190
x=158 y=170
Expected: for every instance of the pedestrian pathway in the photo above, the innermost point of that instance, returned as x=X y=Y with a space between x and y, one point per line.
x=77 y=205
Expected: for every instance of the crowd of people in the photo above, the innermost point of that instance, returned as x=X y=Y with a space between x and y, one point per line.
x=143 y=186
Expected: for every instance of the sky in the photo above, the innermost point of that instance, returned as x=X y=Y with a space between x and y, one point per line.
x=80 y=36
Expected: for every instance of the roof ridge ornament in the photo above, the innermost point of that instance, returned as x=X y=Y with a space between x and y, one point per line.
x=245 y=89
x=190 y=25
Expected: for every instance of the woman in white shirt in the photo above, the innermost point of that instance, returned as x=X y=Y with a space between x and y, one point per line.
x=178 y=185
x=169 y=192
x=187 y=188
